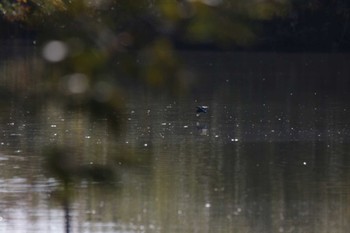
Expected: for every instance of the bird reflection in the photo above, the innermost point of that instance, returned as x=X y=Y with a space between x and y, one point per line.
x=202 y=129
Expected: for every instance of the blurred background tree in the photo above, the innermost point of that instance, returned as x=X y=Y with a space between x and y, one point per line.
x=288 y=25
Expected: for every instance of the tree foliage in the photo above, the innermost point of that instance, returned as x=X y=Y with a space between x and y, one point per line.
x=90 y=49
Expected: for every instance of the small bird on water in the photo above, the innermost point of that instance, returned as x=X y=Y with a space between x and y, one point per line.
x=202 y=109
x=202 y=127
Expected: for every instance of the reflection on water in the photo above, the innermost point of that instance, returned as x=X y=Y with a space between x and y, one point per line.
x=260 y=160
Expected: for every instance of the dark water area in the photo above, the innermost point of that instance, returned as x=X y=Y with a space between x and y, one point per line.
x=270 y=155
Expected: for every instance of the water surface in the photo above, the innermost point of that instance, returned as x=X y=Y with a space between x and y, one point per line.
x=271 y=154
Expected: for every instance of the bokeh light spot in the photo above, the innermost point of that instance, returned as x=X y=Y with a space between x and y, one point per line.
x=55 y=51
x=77 y=83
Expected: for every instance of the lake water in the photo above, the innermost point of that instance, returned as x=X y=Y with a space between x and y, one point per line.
x=271 y=154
